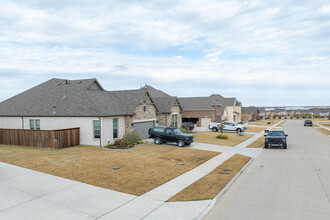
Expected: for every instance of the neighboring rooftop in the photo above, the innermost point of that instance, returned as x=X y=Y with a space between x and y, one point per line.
x=85 y=97
x=197 y=103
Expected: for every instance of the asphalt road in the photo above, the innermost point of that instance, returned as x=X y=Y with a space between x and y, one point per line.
x=283 y=184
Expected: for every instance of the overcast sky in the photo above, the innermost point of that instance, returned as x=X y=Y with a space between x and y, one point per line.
x=264 y=53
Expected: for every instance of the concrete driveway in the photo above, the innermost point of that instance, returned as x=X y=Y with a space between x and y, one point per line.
x=283 y=184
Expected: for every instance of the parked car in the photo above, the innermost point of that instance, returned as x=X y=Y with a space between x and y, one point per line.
x=227 y=126
x=166 y=134
x=308 y=123
x=275 y=138
x=190 y=125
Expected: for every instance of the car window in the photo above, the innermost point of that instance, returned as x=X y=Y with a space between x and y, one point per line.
x=158 y=129
x=177 y=131
x=169 y=131
x=226 y=123
x=275 y=133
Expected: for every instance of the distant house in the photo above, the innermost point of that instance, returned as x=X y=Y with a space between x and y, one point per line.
x=212 y=108
x=249 y=113
x=261 y=112
x=103 y=116
x=324 y=113
x=231 y=108
x=200 y=110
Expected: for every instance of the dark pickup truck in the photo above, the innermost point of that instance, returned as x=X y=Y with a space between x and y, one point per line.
x=275 y=138
x=166 y=134
x=308 y=123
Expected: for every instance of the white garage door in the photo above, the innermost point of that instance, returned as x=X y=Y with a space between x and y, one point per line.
x=142 y=128
x=205 y=122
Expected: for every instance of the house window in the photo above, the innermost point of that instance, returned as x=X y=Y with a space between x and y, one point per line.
x=35 y=124
x=115 y=127
x=144 y=108
x=97 y=129
x=32 y=124
x=174 y=123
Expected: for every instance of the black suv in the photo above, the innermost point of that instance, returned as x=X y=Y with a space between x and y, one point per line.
x=166 y=134
x=308 y=123
x=275 y=138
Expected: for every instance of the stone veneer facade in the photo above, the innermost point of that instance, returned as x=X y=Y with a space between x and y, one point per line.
x=140 y=114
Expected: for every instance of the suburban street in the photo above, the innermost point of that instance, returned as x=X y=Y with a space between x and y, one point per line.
x=283 y=184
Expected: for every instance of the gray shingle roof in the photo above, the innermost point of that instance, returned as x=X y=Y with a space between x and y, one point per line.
x=197 y=103
x=81 y=98
x=250 y=110
x=77 y=98
x=261 y=109
x=225 y=101
x=162 y=100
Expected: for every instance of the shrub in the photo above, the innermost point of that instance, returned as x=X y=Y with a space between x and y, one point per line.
x=222 y=136
x=279 y=117
x=291 y=117
x=131 y=138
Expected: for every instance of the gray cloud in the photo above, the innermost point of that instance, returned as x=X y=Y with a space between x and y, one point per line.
x=258 y=51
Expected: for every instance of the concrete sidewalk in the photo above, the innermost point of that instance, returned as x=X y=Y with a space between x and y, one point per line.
x=30 y=194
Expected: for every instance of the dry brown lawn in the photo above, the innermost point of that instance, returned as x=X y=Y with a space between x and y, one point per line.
x=259 y=143
x=141 y=169
x=320 y=120
x=211 y=184
x=264 y=122
x=209 y=137
x=255 y=129
x=325 y=131
x=326 y=125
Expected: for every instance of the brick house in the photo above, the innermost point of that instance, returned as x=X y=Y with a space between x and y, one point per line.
x=212 y=108
x=200 y=110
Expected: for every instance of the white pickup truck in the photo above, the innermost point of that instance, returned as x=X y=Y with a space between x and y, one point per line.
x=227 y=126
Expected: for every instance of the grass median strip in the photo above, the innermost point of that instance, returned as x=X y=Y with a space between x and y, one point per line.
x=259 y=143
x=209 y=137
x=265 y=122
x=211 y=184
x=255 y=129
x=135 y=171
x=325 y=131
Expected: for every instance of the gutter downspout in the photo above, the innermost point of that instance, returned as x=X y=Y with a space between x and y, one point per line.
x=100 y=132
x=22 y=122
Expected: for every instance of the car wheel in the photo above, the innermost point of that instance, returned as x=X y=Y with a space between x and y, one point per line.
x=180 y=143
x=214 y=129
x=158 y=140
x=266 y=145
x=239 y=130
x=284 y=146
